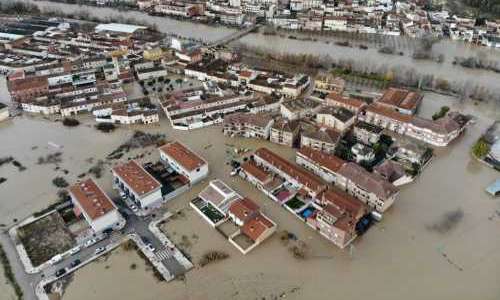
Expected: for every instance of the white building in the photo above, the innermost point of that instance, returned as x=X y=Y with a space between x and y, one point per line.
x=140 y=186
x=184 y=161
x=97 y=208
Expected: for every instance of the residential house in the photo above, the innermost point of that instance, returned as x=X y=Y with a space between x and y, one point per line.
x=298 y=109
x=295 y=175
x=322 y=164
x=338 y=219
x=393 y=172
x=139 y=186
x=322 y=139
x=385 y=117
x=329 y=83
x=400 y=100
x=366 y=133
x=248 y=125
x=338 y=118
x=97 y=208
x=362 y=153
x=285 y=132
x=438 y=132
x=184 y=161
x=370 y=188
x=352 y=104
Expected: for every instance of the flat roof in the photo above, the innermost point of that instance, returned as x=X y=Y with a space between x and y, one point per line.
x=138 y=179
x=92 y=199
x=494 y=188
x=182 y=155
x=117 y=27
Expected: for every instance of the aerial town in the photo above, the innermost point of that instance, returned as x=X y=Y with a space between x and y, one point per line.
x=229 y=172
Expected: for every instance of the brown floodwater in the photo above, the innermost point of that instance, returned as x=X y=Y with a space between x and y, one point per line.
x=403 y=257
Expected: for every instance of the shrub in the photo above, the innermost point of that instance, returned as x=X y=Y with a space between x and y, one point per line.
x=441 y=113
x=481 y=148
x=9 y=274
x=129 y=245
x=212 y=256
x=69 y=122
x=105 y=127
x=60 y=182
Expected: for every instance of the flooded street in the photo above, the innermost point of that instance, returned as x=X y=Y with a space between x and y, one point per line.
x=404 y=250
x=417 y=252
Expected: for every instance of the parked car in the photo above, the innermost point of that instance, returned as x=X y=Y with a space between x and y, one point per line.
x=235 y=172
x=134 y=208
x=75 y=250
x=90 y=242
x=60 y=272
x=57 y=258
x=75 y=263
x=150 y=247
x=100 y=250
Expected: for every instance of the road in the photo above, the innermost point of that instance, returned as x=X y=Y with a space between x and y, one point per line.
x=135 y=225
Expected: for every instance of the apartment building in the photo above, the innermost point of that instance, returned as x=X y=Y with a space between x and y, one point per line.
x=140 y=186
x=370 y=188
x=322 y=164
x=97 y=208
x=184 y=161
x=248 y=125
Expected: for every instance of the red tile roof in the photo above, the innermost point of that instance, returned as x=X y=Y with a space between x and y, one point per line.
x=138 y=179
x=401 y=98
x=92 y=199
x=327 y=161
x=306 y=178
x=256 y=226
x=182 y=155
x=251 y=168
x=347 y=209
x=370 y=182
x=243 y=209
x=28 y=83
x=335 y=97
x=389 y=113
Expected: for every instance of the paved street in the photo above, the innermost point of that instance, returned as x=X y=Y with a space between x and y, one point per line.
x=135 y=224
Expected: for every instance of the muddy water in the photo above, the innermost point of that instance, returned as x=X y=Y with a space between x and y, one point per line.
x=370 y=57
x=399 y=258
x=167 y=25
x=402 y=257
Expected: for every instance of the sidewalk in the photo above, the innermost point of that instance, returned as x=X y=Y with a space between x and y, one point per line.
x=176 y=253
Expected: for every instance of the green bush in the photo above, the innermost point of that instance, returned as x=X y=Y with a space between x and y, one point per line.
x=481 y=148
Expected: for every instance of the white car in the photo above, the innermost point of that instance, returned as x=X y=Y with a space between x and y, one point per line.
x=75 y=250
x=150 y=247
x=100 y=250
x=134 y=208
x=90 y=243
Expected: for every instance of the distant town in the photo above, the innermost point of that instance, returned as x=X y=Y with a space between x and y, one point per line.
x=385 y=17
x=354 y=148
